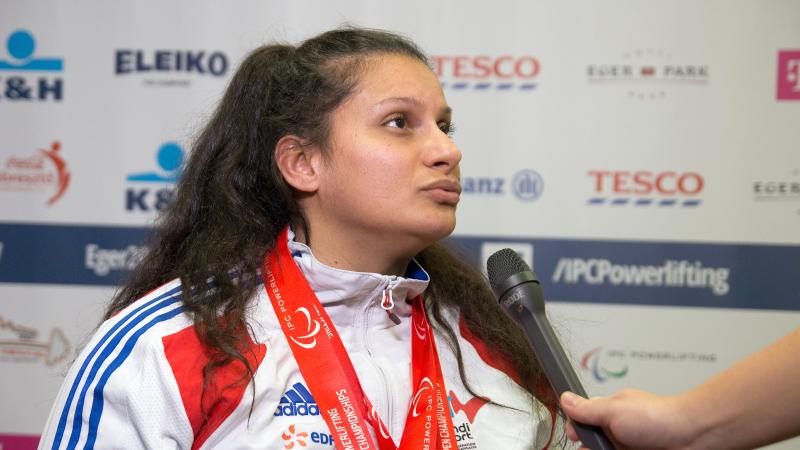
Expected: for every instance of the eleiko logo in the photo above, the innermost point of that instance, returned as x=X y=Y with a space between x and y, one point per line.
x=309 y=339
x=18 y=344
x=599 y=370
x=527 y=185
x=647 y=74
x=21 y=46
x=152 y=197
x=788 y=75
x=483 y=73
x=44 y=170
x=170 y=63
x=297 y=401
x=645 y=188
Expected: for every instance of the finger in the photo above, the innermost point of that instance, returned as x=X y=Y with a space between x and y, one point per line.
x=571 y=434
x=579 y=409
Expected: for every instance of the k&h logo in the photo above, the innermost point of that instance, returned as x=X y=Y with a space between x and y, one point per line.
x=20 y=85
x=153 y=190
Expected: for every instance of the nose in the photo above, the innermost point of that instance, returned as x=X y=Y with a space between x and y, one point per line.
x=442 y=154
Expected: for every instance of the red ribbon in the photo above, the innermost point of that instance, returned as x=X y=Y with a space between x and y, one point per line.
x=330 y=375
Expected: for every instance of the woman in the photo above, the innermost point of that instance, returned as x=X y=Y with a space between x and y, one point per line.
x=290 y=312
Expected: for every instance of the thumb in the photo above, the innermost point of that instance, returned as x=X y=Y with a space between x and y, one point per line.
x=581 y=410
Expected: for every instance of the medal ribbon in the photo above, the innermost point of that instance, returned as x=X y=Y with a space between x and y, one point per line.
x=331 y=378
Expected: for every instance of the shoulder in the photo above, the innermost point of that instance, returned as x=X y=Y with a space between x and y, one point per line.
x=123 y=357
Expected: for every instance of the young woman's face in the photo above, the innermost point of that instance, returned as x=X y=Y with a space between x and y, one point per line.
x=391 y=168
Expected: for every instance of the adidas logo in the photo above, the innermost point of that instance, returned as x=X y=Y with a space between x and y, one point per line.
x=297 y=401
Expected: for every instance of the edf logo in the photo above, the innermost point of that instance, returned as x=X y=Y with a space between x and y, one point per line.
x=21 y=47
x=158 y=192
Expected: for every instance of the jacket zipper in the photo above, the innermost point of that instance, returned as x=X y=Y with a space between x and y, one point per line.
x=388 y=300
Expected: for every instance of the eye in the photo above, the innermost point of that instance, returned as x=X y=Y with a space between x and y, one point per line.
x=448 y=128
x=396 y=122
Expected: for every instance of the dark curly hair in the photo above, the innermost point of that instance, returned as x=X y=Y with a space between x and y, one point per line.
x=232 y=202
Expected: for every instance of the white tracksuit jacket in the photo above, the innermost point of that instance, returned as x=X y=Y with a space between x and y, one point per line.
x=137 y=382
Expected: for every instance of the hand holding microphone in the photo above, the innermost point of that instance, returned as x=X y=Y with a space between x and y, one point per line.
x=518 y=291
x=751 y=404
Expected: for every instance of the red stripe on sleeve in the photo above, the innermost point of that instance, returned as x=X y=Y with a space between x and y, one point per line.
x=543 y=391
x=187 y=356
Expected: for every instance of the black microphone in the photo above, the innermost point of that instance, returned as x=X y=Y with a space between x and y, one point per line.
x=518 y=291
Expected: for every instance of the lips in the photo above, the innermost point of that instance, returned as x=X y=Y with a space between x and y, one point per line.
x=444 y=191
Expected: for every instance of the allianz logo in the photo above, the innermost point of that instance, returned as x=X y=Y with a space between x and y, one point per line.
x=104 y=260
x=297 y=401
x=526 y=185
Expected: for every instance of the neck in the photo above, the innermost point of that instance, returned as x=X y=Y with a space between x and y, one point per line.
x=357 y=252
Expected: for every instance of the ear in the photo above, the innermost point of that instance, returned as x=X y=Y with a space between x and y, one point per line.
x=299 y=163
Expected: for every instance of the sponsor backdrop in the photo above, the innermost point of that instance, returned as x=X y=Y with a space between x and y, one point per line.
x=643 y=157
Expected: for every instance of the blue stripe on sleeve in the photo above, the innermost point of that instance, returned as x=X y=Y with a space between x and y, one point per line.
x=62 y=423
x=97 y=404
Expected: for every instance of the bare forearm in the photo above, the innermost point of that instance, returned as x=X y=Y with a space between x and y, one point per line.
x=753 y=403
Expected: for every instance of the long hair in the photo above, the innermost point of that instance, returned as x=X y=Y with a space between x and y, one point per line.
x=231 y=203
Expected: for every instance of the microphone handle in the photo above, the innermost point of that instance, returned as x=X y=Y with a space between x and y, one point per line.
x=557 y=367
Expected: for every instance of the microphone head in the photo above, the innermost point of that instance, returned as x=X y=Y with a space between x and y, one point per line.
x=502 y=264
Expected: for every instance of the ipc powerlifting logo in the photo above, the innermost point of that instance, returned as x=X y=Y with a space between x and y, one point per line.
x=44 y=170
x=19 y=84
x=309 y=339
x=153 y=191
x=613 y=364
x=487 y=73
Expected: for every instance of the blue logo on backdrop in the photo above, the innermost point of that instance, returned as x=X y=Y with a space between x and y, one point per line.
x=297 y=401
x=181 y=63
x=21 y=46
x=656 y=273
x=170 y=160
x=526 y=185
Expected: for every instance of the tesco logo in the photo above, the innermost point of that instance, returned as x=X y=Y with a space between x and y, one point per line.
x=485 y=72
x=644 y=187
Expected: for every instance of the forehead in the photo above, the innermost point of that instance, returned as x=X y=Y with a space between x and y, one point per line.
x=387 y=76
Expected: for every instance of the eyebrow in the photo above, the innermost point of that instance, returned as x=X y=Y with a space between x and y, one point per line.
x=412 y=101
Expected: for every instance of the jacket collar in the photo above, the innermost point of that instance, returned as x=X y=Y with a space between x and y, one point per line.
x=346 y=294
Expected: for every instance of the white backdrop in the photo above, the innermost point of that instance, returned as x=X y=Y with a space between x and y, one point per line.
x=642 y=155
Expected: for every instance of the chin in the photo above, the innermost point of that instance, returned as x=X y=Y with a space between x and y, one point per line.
x=440 y=230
